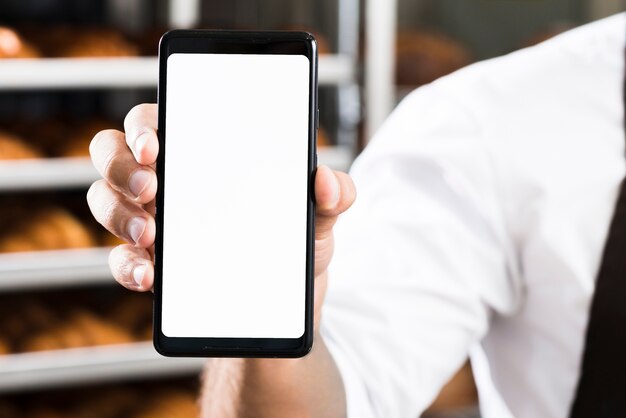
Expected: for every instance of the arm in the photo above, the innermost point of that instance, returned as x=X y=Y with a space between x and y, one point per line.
x=272 y=388
x=123 y=202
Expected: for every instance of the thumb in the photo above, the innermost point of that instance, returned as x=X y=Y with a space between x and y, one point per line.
x=334 y=194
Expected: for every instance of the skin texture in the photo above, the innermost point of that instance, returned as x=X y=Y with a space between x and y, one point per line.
x=123 y=202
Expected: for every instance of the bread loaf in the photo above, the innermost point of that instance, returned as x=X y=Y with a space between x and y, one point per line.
x=14 y=148
x=49 y=228
x=81 y=329
x=97 y=42
x=4 y=348
x=172 y=405
x=12 y=45
x=77 y=142
x=424 y=56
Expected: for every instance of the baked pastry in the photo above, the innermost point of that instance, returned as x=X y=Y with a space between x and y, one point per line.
x=34 y=327
x=98 y=331
x=13 y=45
x=77 y=143
x=424 y=56
x=148 y=40
x=43 y=134
x=14 y=148
x=82 y=329
x=42 y=342
x=110 y=240
x=50 y=228
x=77 y=41
x=73 y=233
x=97 y=42
x=133 y=314
x=4 y=348
x=147 y=333
x=33 y=318
x=111 y=403
x=37 y=315
x=77 y=147
x=171 y=405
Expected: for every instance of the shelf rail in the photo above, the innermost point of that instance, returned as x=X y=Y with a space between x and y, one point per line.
x=59 y=173
x=31 y=371
x=125 y=72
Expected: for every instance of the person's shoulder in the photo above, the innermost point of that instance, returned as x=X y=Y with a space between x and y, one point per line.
x=535 y=83
x=596 y=38
x=582 y=53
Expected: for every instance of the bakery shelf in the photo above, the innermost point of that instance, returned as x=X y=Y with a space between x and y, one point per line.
x=53 y=73
x=61 y=268
x=338 y=157
x=29 y=371
x=61 y=73
x=336 y=69
x=48 y=173
x=54 y=173
x=28 y=270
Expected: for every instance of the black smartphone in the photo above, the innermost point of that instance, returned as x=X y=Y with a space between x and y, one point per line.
x=235 y=207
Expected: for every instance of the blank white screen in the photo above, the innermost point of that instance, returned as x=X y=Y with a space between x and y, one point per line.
x=235 y=203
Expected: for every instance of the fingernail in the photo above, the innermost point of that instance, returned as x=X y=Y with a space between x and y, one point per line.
x=136 y=226
x=140 y=143
x=138 y=181
x=138 y=274
x=334 y=186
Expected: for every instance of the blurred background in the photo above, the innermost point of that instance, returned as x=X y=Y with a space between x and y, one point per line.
x=73 y=344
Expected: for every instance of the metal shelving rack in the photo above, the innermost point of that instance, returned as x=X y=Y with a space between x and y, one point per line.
x=30 y=371
x=58 y=173
x=55 y=269
x=70 y=73
x=380 y=38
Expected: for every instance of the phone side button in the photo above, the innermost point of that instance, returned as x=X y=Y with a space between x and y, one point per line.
x=317 y=118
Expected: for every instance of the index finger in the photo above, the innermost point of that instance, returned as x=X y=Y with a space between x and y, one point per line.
x=140 y=126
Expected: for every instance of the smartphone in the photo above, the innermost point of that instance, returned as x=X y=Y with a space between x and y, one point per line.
x=235 y=209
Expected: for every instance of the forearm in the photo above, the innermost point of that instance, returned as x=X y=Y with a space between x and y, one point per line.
x=276 y=388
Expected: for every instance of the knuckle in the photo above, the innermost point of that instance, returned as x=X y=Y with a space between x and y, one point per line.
x=108 y=165
x=110 y=212
x=101 y=137
x=134 y=114
x=119 y=265
x=103 y=148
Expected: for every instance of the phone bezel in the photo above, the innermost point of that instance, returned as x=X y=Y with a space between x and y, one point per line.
x=237 y=42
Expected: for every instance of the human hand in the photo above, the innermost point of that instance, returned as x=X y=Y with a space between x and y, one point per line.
x=123 y=201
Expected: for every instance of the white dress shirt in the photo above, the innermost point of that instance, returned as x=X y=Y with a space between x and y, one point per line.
x=482 y=211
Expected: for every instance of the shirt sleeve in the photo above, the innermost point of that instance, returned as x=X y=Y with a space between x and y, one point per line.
x=421 y=260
